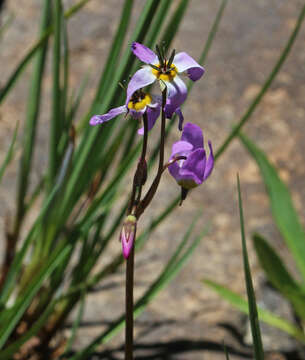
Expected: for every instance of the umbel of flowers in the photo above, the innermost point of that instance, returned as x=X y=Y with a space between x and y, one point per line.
x=188 y=163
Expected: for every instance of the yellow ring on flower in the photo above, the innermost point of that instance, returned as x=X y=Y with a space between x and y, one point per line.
x=140 y=105
x=165 y=77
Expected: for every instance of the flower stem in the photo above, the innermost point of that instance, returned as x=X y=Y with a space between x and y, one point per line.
x=152 y=190
x=139 y=179
x=129 y=306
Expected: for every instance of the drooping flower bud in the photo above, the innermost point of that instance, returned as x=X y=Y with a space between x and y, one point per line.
x=128 y=234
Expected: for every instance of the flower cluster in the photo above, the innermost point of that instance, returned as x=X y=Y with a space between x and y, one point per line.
x=188 y=164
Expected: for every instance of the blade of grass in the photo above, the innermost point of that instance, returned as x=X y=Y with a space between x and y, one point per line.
x=115 y=50
x=278 y=275
x=283 y=211
x=23 y=63
x=13 y=348
x=31 y=121
x=65 y=88
x=266 y=316
x=76 y=323
x=56 y=119
x=9 y=283
x=253 y=315
x=23 y=302
x=9 y=154
x=266 y=85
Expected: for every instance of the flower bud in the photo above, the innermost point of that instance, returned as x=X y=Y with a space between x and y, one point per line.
x=141 y=173
x=128 y=234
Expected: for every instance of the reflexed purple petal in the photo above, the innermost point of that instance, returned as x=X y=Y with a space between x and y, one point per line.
x=184 y=62
x=194 y=166
x=174 y=170
x=140 y=79
x=177 y=93
x=144 y=53
x=193 y=134
x=181 y=118
x=152 y=115
x=181 y=148
x=99 y=119
x=210 y=163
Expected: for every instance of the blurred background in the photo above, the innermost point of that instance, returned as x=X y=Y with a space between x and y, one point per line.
x=187 y=320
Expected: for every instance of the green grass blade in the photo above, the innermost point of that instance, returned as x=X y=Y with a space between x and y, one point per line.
x=66 y=57
x=18 y=259
x=31 y=121
x=13 y=348
x=76 y=323
x=166 y=276
x=282 y=208
x=113 y=56
x=266 y=85
x=266 y=316
x=253 y=315
x=76 y=100
x=56 y=119
x=22 y=303
x=9 y=154
x=24 y=62
x=278 y=275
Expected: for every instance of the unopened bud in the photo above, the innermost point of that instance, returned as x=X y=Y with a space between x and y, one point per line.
x=128 y=234
x=140 y=176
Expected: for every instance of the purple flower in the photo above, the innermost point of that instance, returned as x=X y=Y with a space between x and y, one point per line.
x=167 y=70
x=136 y=106
x=196 y=168
x=128 y=234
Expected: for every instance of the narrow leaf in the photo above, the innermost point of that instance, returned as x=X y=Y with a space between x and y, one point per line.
x=254 y=321
x=9 y=154
x=278 y=275
x=283 y=211
x=266 y=316
x=24 y=301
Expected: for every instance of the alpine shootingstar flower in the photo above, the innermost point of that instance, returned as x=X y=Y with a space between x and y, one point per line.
x=166 y=70
x=136 y=106
x=196 y=168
